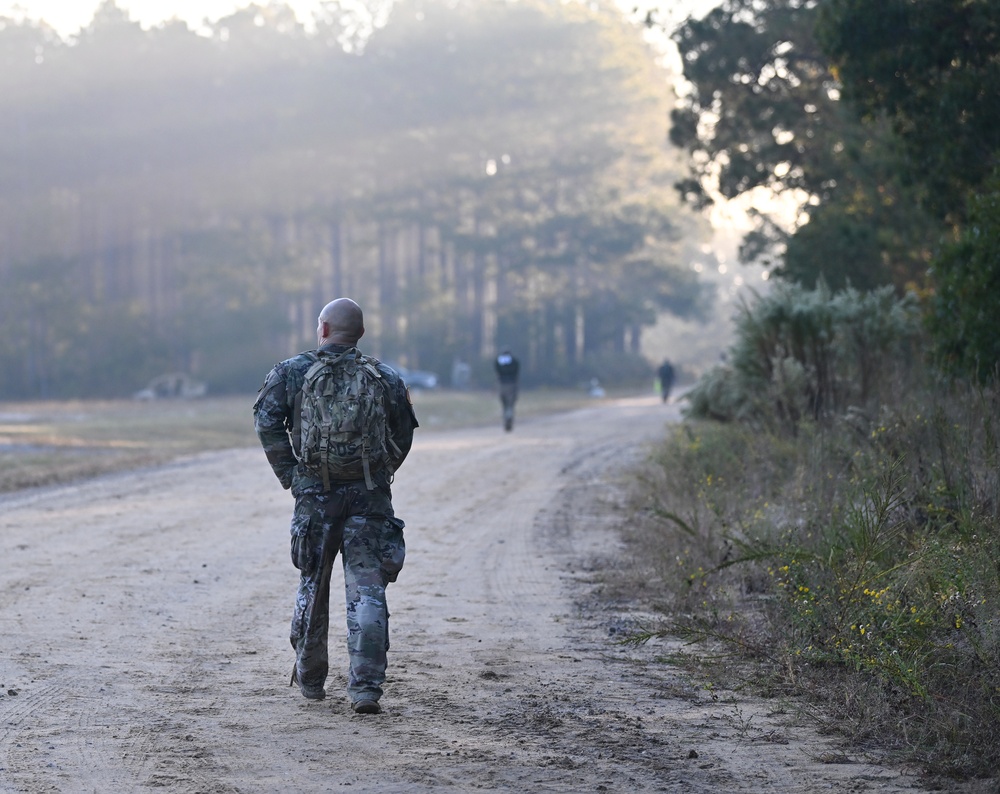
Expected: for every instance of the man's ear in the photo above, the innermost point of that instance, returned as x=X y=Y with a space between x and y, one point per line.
x=324 y=330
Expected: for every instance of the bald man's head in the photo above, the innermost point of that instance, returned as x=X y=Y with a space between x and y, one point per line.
x=341 y=322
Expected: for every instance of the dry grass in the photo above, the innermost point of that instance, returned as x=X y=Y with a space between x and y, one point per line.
x=46 y=443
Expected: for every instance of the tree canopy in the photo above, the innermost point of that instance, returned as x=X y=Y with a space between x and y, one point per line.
x=765 y=113
x=884 y=118
x=931 y=68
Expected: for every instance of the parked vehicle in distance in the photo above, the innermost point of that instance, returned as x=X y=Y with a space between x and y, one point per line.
x=173 y=385
x=416 y=378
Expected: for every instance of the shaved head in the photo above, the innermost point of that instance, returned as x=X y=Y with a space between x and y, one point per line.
x=341 y=322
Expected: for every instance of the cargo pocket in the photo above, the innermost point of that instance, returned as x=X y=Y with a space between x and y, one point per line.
x=303 y=551
x=393 y=548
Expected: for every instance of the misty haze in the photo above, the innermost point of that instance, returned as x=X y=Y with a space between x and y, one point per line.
x=475 y=175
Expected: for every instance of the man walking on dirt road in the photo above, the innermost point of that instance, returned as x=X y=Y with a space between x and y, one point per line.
x=507 y=368
x=665 y=375
x=335 y=425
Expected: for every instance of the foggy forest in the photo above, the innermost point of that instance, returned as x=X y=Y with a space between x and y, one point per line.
x=781 y=575
x=474 y=175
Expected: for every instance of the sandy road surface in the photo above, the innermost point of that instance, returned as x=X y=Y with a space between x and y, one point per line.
x=143 y=625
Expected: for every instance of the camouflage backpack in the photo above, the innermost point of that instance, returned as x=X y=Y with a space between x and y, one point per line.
x=340 y=430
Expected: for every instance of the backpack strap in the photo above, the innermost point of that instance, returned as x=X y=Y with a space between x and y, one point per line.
x=388 y=432
x=296 y=429
x=385 y=395
x=365 y=363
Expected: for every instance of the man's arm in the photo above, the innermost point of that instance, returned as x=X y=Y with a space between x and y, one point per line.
x=402 y=420
x=272 y=421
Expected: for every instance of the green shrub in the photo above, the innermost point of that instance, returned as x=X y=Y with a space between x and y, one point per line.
x=806 y=354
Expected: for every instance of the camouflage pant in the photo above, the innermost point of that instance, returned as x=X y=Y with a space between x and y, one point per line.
x=359 y=523
x=508 y=396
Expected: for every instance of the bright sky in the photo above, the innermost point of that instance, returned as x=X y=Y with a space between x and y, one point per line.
x=69 y=16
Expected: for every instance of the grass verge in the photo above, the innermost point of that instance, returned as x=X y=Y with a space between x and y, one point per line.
x=47 y=443
x=855 y=562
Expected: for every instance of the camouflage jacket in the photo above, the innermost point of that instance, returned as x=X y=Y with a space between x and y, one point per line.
x=274 y=416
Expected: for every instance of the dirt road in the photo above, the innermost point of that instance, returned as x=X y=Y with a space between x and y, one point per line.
x=143 y=633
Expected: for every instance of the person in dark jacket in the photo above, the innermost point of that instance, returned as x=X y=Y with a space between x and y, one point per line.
x=348 y=517
x=666 y=375
x=507 y=368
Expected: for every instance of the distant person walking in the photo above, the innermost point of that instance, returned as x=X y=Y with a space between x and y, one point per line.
x=666 y=375
x=335 y=425
x=507 y=368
